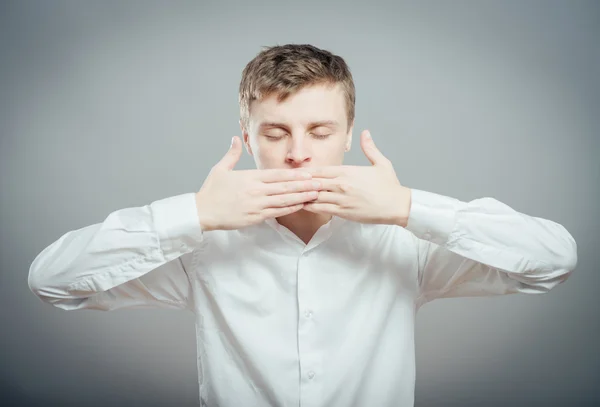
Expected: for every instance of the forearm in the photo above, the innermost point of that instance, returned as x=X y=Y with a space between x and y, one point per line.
x=490 y=232
x=127 y=244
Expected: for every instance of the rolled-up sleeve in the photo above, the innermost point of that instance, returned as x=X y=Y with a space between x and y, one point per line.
x=484 y=247
x=133 y=259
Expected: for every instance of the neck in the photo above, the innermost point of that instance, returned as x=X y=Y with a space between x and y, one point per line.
x=304 y=224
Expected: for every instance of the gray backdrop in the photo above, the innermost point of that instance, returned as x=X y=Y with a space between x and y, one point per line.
x=106 y=105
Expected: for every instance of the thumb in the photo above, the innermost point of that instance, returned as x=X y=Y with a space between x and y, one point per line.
x=232 y=156
x=371 y=151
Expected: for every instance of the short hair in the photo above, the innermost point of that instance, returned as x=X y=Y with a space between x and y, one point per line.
x=285 y=69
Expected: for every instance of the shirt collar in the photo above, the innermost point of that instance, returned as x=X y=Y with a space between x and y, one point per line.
x=322 y=234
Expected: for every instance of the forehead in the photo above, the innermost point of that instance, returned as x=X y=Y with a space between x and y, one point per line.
x=309 y=104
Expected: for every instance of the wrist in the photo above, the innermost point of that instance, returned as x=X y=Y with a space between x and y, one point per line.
x=204 y=218
x=175 y=221
x=404 y=207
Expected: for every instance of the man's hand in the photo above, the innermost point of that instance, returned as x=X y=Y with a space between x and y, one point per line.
x=370 y=194
x=234 y=199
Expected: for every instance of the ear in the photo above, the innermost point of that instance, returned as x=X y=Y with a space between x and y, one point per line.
x=245 y=138
x=349 y=137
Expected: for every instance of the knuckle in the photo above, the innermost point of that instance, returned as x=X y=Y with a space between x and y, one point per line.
x=253 y=192
x=252 y=210
x=296 y=174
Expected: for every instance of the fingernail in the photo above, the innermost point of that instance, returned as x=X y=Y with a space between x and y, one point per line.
x=369 y=134
x=231 y=145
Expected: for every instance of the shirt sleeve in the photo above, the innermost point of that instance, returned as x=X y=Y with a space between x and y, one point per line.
x=133 y=259
x=484 y=247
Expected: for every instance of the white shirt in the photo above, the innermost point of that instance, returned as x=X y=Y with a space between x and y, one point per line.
x=281 y=323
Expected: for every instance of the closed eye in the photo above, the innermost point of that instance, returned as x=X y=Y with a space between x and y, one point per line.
x=273 y=138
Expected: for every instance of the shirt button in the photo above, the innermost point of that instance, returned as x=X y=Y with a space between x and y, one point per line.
x=427 y=236
x=308 y=314
x=311 y=374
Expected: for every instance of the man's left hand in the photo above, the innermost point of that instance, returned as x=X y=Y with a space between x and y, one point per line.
x=365 y=194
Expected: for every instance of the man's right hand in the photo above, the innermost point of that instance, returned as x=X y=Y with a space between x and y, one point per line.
x=231 y=199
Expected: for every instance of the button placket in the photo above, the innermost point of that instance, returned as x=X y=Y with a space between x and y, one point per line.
x=309 y=356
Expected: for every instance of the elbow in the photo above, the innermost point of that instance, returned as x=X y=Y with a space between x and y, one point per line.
x=572 y=256
x=549 y=274
x=562 y=262
x=550 y=277
x=565 y=260
x=542 y=283
x=41 y=273
x=35 y=280
x=40 y=286
x=34 y=284
x=569 y=252
x=44 y=282
x=47 y=293
x=52 y=278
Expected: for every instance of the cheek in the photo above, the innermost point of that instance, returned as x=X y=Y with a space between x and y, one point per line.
x=329 y=153
x=268 y=152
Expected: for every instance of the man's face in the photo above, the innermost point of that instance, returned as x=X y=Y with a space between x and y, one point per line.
x=308 y=129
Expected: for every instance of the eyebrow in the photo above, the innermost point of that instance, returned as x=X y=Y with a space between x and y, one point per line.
x=330 y=123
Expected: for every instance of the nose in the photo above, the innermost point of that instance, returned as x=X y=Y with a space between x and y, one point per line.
x=298 y=153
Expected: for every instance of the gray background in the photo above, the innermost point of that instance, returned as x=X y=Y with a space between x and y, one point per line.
x=106 y=105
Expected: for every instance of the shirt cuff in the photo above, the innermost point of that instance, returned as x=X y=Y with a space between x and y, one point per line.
x=432 y=216
x=176 y=223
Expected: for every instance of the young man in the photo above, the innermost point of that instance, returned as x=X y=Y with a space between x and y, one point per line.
x=304 y=275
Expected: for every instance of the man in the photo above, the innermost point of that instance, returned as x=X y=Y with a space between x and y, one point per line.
x=304 y=275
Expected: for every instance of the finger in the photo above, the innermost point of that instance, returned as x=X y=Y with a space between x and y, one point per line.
x=281 y=175
x=232 y=156
x=332 y=171
x=280 y=201
x=329 y=197
x=328 y=208
x=277 y=212
x=277 y=188
x=329 y=184
x=368 y=146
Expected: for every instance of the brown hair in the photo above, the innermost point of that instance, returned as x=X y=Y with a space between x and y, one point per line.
x=285 y=69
